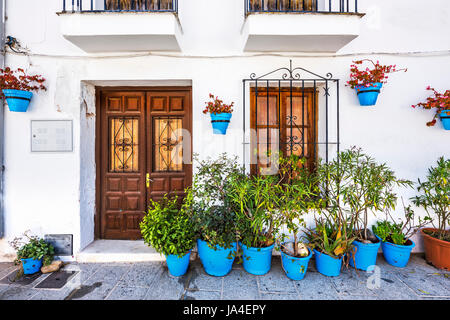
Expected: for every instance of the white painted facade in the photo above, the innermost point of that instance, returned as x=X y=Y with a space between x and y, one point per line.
x=54 y=193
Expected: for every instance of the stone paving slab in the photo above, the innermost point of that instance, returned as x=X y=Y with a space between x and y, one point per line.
x=152 y=281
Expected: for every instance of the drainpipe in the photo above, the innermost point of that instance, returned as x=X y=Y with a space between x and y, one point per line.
x=2 y=108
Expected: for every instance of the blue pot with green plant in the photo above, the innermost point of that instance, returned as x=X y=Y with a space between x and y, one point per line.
x=216 y=260
x=295 y=265
x=33 y=252
x=364 y=255
x=168 y=228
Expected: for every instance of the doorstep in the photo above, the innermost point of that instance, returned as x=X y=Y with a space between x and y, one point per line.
x=104 y=251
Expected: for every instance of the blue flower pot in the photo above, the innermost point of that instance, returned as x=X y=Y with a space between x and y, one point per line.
x=31 y=266
x=295 y=268
x=365 y=256
x=18 y=100
x=216 y=262
x=220 y=122
x=368 y=95
x=445 y=118
x=327 y=265
x=178 y=266
x=396 y=255
x=257 y=261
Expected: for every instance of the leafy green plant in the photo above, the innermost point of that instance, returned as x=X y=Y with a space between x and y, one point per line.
x=358 y=185
x=254 y=199
x=399 y=233
x=298 y=192
x=168 y=227
x=33 y=247
x=434 y=197
x=213 y=217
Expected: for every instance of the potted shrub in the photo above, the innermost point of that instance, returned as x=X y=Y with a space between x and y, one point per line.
x=365 y=187
x=168 y=228
x=440 y=102
x=368 y=82
x=434 y=198
x=220 y=114
x=214 y=220
x=17 y=89
x=32 y=252
x=253 y=199
x=297 y=194
x=396 y=237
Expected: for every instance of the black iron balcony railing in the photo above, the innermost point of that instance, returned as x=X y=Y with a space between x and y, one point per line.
x=120 y=5
x=334 y=6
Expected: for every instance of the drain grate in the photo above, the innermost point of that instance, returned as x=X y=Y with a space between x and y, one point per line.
x=24 y=280
x=56 y=280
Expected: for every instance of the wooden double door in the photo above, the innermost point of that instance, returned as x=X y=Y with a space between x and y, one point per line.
x=143 y=151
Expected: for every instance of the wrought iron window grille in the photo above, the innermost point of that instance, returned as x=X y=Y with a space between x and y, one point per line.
x=301 y=6
x=120 y=6
x=303 y=117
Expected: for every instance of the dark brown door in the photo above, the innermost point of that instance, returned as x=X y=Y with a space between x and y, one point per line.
x=141 y=155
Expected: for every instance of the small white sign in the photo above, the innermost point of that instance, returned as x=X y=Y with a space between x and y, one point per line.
x=51 y=136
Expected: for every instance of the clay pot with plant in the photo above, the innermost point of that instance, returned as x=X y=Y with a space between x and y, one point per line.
x=434 y=197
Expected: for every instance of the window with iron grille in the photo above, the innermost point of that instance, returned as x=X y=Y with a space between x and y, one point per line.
x=296 y=113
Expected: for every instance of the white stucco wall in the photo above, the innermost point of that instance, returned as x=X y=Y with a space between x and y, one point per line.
x=54 y=193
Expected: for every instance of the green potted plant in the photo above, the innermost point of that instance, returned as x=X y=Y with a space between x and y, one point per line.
x=298 y=193
x=32 y=252
x=396 y=236
x=169 y=229
x=365 y=187
x=253 y=199
x=214 y=220
x=434 y=195
x=17 y=89
x=441 y=103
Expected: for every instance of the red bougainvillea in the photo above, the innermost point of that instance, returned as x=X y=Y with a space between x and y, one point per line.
x=440 y=101
x=368 y=76
x=217 y=106
x=9 y=80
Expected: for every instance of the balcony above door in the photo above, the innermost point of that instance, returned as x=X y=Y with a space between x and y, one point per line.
x=121 y=25
x=300 y=25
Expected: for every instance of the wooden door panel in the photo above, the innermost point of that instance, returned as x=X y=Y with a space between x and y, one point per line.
x=127 y=153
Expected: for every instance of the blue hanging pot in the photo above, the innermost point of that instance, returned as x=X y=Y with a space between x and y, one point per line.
x=368 y=95
x=31 y=266
x=218 y=261
x=257 y=261
x=220 y=122
x=178 y=266
x=295 y=268
x=445 y=118
x=18 y=100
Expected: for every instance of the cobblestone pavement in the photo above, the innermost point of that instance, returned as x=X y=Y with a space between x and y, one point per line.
x=151 y=281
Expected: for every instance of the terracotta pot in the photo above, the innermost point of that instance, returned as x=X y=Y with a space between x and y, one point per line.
x=437 y=251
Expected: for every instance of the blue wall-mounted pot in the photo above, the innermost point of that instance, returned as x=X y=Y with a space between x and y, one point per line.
x=295 y=268
x=445 y=118
x=220 y=122
x=178 y=266
x=257 y=261
x=218 y=261
x=18 y=100
x=368 y=95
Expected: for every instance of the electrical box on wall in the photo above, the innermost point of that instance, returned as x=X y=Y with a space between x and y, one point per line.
x=51 y=136
x=63 y=243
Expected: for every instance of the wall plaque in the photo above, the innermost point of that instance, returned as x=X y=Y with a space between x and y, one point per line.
x=51 y=135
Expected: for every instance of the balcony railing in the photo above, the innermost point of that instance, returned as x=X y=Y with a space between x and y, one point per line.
x=120 y=6
x=320 y=6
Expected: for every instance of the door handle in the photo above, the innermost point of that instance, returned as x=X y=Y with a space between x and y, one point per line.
x=147 y=180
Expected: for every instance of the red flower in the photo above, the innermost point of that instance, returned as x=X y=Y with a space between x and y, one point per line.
x=440 y=101
x=8 y=80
